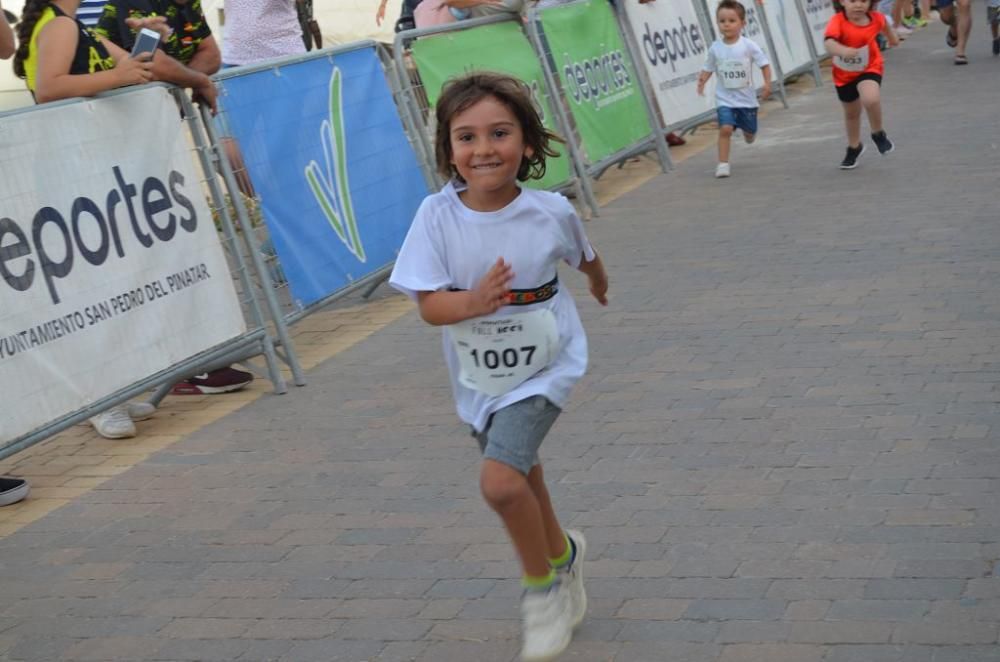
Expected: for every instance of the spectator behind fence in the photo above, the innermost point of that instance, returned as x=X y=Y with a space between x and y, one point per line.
x=258 y=30
x=12 y=489
x=58 y=57
x=187 y=57
x=255 y=30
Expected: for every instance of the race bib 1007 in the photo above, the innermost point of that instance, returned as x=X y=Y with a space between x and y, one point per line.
x=499 y=353
x=735 y=74
x=858 y=62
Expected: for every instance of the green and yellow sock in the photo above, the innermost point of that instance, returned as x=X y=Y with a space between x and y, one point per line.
x=542 y=583
x=565 y=559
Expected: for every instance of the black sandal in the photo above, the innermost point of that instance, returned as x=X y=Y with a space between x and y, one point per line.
x=961 y=59
x=951 y=38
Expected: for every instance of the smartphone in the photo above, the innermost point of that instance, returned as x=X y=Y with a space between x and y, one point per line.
x=145 y=42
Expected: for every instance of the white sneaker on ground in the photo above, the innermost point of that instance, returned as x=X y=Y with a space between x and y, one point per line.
x=547 y=623
x=722 y=170
x=114 y=423
x=572 y=577
x=140 y=411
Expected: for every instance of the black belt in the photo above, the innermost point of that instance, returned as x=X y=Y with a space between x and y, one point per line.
x=528 y=296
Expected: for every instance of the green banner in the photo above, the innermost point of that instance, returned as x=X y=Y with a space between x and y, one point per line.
x=597 y=76
x=500 y=47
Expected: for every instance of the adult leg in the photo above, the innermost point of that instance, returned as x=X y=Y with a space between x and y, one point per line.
x=509 y=494
x=963 y=25
x=554 y=535
x=871 y=100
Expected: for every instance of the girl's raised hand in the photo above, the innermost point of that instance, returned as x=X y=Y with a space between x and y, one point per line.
x=492 y=291
x=134 y=71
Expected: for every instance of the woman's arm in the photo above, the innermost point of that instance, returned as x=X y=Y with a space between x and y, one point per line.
x=56 y=46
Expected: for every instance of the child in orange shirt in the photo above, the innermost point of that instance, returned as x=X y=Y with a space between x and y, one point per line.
x=857 y=71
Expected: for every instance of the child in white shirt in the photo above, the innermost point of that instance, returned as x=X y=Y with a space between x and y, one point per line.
x=730 y=58
x=481 y=261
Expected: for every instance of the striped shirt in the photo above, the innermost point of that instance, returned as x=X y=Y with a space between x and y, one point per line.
x=89 y=11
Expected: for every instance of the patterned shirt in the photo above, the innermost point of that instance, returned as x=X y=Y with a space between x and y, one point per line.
x=185 y=19
x=260 y=30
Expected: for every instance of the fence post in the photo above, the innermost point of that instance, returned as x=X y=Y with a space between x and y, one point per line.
x=775 y=61
x=646 y=88
x=817 y=74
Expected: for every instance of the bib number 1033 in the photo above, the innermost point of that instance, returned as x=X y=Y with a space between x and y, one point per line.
x=497 y=354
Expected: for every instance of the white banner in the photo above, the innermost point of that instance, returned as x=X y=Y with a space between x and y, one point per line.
x=790 y=40
x=672 y=48
x=110 y=265
x=818 y=13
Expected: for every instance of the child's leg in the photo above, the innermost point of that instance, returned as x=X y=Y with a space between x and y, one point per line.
x=509 y=494
x=725 y=137
x=852 y=120
x=554 y=535
x=871 y=100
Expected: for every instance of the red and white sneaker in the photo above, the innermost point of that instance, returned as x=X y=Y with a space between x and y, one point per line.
x=223 y=380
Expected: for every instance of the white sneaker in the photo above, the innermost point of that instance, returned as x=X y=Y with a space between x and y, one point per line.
x=722 y=170
x=140 y=411
x=547 y=624
x=573 y=578
x=114 y=423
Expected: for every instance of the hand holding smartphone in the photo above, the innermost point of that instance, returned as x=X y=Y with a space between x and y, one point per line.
x=146 y=41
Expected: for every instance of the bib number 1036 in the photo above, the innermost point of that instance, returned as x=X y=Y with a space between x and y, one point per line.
x=735 y=74
x=497 y=354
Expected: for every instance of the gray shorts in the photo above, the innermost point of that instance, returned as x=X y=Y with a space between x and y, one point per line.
x=513 y=434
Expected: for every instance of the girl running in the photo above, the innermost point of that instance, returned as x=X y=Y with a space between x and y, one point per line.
x=481 y=261
x=857 y=71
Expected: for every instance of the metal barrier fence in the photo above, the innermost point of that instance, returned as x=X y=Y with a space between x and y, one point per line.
x=817 y=13
x=590 y=64
x=123 y=284
x=426 y=58
x=322 y=145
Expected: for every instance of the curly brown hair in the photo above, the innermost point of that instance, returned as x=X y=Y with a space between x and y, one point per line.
x=29 y=17
x=460 y=94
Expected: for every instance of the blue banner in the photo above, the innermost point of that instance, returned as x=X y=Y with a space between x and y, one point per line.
x=337 y=179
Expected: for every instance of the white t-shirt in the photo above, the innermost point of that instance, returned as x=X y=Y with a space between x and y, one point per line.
x=450 y=246
x=258 y=30
x=731 y=63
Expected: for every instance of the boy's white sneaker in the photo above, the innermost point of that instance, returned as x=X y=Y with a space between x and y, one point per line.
x=572 y=577
x=722 y=170
x=547 y=623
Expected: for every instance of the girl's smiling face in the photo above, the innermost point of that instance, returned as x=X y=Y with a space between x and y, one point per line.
x=487 y=146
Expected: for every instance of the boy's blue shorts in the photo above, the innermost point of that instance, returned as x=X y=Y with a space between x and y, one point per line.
x=741 y=118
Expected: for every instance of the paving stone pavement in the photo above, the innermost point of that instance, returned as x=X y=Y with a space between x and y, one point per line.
x=786 y=449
